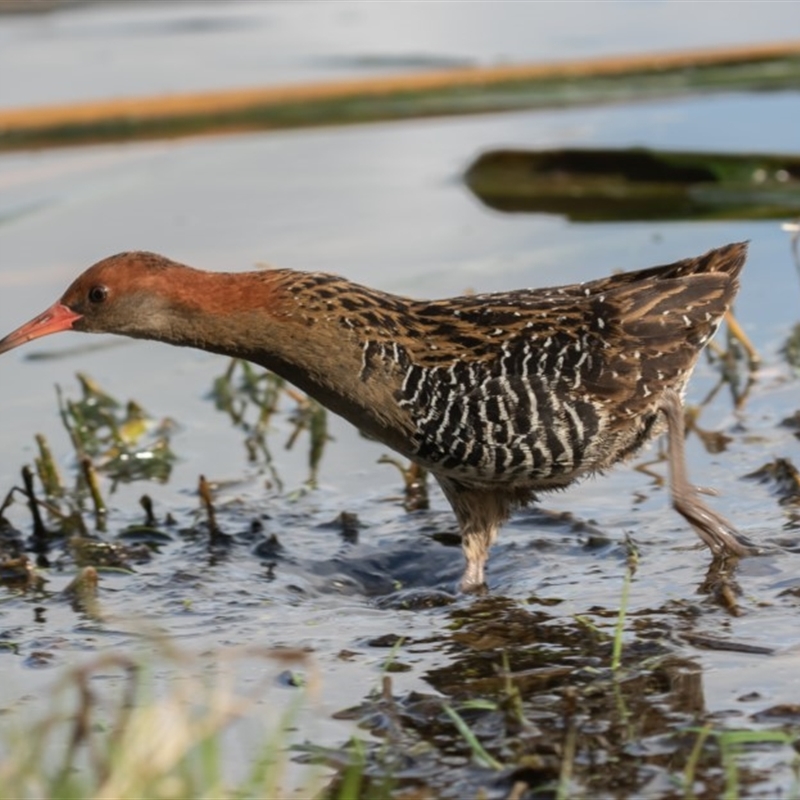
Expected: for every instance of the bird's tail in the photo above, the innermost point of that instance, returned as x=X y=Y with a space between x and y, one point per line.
x=728 y=260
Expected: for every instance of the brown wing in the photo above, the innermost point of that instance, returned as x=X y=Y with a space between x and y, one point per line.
x=654 y=335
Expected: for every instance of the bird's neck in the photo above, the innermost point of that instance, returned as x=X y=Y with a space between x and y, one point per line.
x=311 y=329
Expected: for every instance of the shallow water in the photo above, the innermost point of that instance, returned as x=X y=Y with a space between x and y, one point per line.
x=385 y=205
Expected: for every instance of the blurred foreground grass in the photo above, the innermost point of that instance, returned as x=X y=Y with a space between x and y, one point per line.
x=105 y=734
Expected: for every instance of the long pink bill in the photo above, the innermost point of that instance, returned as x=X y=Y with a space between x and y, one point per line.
x=57 y=318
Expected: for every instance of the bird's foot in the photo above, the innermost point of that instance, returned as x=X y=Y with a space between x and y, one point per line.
x=476 y=589
x=715 y=531
x=472 y=581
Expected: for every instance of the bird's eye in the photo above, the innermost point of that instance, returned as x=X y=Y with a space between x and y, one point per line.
x=97 y=294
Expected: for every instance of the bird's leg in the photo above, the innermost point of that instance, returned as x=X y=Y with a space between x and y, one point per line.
x=715 y=531
x=737 y=332
x=480 y=513
x=476 y=551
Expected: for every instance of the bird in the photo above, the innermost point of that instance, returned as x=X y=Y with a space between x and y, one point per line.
x=500 y=396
